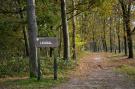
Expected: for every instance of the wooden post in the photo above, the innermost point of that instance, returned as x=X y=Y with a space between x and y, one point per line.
x=55 y=66
x=47 y=42
x=39 y=73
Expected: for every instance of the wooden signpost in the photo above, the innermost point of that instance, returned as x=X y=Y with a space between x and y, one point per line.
x=47 y=42
x=43 y=42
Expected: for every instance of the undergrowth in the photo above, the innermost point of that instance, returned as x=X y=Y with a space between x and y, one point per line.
x=64 y=70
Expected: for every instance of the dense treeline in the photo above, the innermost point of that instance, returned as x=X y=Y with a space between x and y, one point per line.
x=94 y=25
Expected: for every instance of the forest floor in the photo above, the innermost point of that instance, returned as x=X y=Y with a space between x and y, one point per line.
x=94 y=71
x=99 y=71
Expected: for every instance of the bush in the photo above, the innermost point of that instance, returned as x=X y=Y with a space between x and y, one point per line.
x=13 y=67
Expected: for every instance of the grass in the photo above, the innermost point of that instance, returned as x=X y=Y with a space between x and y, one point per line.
x=123 y=65
x=47 y=77
x=44 y=83
x=128 y=70
x=64 y=71
x=115 y=55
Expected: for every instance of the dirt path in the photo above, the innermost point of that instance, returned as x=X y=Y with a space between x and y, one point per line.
x=92 y=74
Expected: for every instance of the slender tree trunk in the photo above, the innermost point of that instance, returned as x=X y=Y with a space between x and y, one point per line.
x=25 y=37
x=24 y=31
x=65 y=31
x=60 y=42
x=32 y=28
x=111 y=44
x=74 y=32
x=125 y=39
x=104 y=37
x=119 y=45
x=118 y=36
x=26 y=41
x=94 y=42
x=110 y=39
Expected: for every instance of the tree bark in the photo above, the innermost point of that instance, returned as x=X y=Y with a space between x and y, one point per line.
x=32 y=28
x=104 y=37
x=26 y=41
x=118 y=36
x=130 y=43
x=111 y=48
x=66 y=40
x=26 y=52
x=94 y=42
x=126 y=9
x=74 y=32
x=125 y=38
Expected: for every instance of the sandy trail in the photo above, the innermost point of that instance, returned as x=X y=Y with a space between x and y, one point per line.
x=92 y=73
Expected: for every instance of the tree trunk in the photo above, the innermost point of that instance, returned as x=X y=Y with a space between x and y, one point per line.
x=74 y=31
x=104 y=38
x=26 y=41
x=65 y=31
x=125 y=38
x=24 y=31
x=94 y=42
x=60 y=42
x=129 y=35
x=130 y=43
x=111 y=39
x=32 y=28
x=118 y=36
x=126 y=9
x=129 y=32
x=25 y=37
x=119 y=45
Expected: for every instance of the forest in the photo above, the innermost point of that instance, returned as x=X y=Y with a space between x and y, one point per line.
x=44 y=43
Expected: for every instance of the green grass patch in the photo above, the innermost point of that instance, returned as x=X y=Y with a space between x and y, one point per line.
x=115 y=55
x=64 y=70
x=44 y=83
x=127 y=69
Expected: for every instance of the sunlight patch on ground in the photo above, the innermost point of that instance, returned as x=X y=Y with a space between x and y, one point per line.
x=98 y=59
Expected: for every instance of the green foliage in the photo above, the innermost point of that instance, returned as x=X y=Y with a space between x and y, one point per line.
x=10 y=40
x=63 y=67
x=47 y=78
x=14 y=66
x=48 y=17
x=107 y=7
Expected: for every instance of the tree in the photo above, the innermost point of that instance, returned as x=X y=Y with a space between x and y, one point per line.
x=66 y=40
x=126 y=9
x=74 y=31
x=32 y=28
x=111 y=43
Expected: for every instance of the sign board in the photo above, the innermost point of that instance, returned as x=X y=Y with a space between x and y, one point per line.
x=46 y=42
